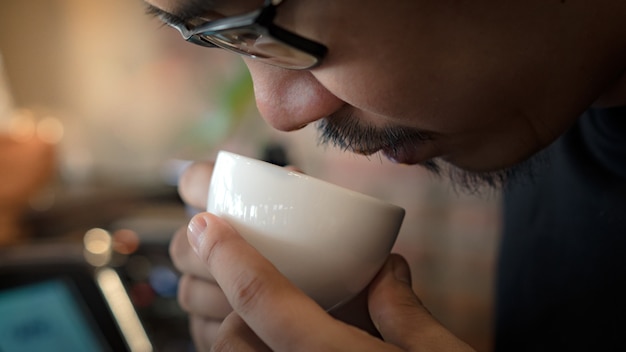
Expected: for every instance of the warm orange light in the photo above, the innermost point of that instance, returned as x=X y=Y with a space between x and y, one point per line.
x=50 y=130
x=22 y=126
x=125 y=241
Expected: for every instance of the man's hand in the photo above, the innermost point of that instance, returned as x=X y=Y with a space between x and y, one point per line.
x=221 y=270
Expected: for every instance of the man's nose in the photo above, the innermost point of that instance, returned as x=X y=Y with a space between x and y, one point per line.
x=288 y=99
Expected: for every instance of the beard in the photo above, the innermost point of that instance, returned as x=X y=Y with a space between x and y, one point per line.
x=477 y=183
x=347 y=133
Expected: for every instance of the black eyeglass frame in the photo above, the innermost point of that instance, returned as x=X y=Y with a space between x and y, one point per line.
x=262 y=22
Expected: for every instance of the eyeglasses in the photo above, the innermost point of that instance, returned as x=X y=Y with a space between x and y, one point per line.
x=255 y=35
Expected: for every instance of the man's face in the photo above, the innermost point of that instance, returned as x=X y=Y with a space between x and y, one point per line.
x=480 y=84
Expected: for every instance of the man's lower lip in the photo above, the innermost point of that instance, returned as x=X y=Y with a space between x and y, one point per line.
x=366 y=152
x=402 y=155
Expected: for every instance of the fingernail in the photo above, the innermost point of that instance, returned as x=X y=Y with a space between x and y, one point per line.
x=195 y=231
x=401 y=270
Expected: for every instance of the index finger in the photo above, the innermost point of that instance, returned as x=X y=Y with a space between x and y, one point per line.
x=193 y=185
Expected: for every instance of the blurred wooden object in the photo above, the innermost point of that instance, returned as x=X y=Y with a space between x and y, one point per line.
x=26 y=165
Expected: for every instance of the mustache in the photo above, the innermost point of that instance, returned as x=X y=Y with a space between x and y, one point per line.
x=347 y=132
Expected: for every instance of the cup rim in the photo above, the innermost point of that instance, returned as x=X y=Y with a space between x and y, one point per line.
x=313 y=179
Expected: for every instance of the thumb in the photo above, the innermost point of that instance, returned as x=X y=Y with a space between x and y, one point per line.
x=400 y=316
x=279 y=313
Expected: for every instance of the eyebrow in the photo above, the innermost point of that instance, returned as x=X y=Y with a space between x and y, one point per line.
x=189 y=10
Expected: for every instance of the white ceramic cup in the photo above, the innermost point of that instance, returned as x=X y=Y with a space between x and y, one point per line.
x=329 y=241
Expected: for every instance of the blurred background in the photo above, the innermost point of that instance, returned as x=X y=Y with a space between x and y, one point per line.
x=101 y=108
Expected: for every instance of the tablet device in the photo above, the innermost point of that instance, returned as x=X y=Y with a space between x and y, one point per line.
x=58 y=302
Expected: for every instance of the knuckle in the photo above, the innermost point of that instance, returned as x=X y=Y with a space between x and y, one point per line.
x=248 y=289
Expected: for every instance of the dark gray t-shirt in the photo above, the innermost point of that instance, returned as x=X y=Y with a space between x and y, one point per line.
x=561 y=282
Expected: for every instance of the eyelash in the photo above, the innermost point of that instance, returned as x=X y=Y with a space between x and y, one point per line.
x=165 y=17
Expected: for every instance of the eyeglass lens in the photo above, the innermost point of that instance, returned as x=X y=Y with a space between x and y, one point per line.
x=249 y=41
